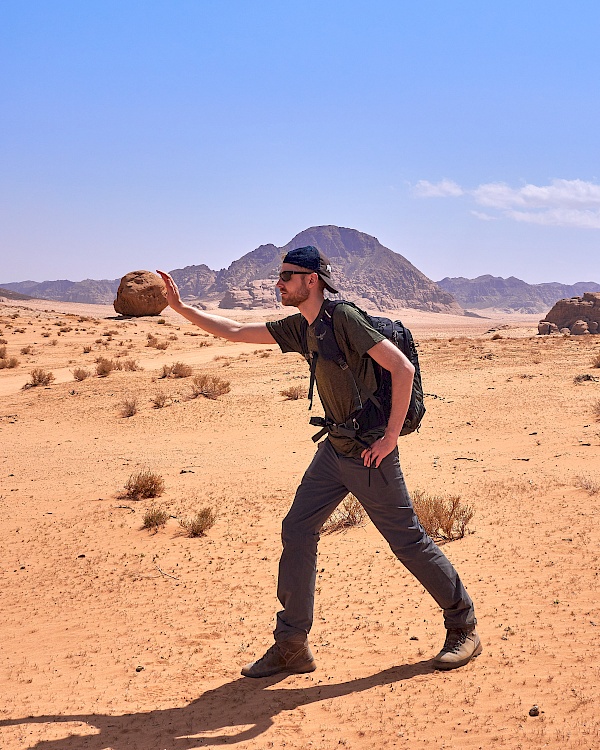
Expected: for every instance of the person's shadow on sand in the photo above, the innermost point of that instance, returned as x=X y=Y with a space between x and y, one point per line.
x=242 y=703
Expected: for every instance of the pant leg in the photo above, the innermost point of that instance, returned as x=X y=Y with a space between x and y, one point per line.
x=319 y=493
x=390 y=508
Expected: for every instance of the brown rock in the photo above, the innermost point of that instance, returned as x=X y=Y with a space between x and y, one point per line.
x=569 y=312
x=565 y=331
x=140 y=293
x=579 y=327
x=543 y=327
x=593 y=326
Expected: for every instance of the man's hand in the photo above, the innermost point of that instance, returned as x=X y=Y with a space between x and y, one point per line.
x=173 y=297
x=381 y=448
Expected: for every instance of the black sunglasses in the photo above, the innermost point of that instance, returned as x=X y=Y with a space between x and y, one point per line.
x=285 y=276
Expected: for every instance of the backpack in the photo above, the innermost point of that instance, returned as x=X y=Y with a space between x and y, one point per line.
x=369 y=409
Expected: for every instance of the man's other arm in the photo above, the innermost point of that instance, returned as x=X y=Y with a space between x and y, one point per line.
x=249 y=333
x=402 y=372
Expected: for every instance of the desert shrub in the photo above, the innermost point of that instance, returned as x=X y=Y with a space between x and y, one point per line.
x=3 y=341
x=596 y=360
x=87 y=349
x=442 y=517
x=181 y=370
x=131 y=365
x=265 y=354
x=40 y=377
x=161 y=321
x=349 y=514
x=2 y=352
x=154 y=518
x=129 y=407
x=294 y=392
x=199 y=524
x=27 y=349
x=65 y=329
x=46 y=334
x=54 y=342
x=173 y=337
x=586 y=378
x=209 y=386
x=156 y=343
x=596 y=408
x=588 y=483
x=8 y=363
x=159 y=400
x=144 y=484
x=104 y=367
x=80 y=373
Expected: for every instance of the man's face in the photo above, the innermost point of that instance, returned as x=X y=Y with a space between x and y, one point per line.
x=295 y=291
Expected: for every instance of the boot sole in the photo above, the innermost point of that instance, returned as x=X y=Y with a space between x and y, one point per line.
x=445 y=666
x=284 y=670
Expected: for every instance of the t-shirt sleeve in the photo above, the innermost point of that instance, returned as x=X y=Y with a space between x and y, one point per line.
x=287 y=333
x=353 y=331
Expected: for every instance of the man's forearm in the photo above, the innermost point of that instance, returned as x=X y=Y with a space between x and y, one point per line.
x=215 y=324
x=401 y=393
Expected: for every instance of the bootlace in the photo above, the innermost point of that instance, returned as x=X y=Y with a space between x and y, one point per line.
x=268 y=653
x=454 y=640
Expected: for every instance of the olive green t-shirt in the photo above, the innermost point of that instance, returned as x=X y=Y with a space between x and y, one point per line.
x=336 y=388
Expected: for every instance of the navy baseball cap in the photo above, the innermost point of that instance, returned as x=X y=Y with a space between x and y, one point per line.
x=313 y=259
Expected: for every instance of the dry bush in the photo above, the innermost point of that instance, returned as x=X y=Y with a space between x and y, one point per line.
x=181 y=370
x=294 y=392
x=199 y=524
x=161 y=322
x=159 y=400
x=79 y=373
x=588 y=483
x=104 y=367
x=209 y=386
x=154 y=518
x=27 y=349
x=131 y=365
x=3 y=341
x=8 y=363
x=584 y=379
x=144 y=484
x=442 y=517
x=596 y=408
x=87 y=349
x=596 y=360
x=349 y=514
x=46 y=334
x=39 y=377
x=155 y=343
x=2 y=352
x=54 y=342
x=129 y=407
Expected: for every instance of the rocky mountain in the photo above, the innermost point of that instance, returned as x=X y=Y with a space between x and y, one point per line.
x=89 y=291
x=512 y=294
x=365 y=271
x=8 y=294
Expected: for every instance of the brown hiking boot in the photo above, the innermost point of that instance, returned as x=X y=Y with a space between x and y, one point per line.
x=292 y=656
x=460 y=647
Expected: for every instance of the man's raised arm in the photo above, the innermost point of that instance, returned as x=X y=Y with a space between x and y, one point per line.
x=250 y=333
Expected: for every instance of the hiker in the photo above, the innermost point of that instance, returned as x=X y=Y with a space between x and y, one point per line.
x=369 y=469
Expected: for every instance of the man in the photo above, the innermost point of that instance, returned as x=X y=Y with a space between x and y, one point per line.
x=342 y=465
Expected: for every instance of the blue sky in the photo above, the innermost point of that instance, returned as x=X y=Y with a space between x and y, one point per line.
x=464 y=135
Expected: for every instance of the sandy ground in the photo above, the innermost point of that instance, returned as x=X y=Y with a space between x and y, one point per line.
x=114 y=637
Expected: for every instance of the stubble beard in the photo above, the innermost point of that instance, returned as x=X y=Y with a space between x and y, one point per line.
x=294 y=299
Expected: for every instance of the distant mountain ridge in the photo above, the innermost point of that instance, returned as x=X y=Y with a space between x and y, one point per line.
x=512 y=294
x=365 y=271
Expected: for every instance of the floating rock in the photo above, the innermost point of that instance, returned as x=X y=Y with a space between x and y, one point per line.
x=140 y=293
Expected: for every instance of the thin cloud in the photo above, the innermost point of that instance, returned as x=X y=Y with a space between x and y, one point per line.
x=566 y=203
x=441 y=189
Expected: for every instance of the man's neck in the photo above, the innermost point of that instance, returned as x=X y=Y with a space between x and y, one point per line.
x=311 y=307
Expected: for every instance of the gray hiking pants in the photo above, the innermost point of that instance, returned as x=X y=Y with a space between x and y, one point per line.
x=326 y=482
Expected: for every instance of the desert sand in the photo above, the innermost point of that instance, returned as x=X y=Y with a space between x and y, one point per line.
x=114 y=637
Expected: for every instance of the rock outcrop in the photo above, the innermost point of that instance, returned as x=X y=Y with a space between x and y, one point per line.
x=578 y=315
x=254 y=294
x=140 y=293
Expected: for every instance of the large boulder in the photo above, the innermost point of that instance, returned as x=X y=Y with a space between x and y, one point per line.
x=140 y=293
x=579 y=315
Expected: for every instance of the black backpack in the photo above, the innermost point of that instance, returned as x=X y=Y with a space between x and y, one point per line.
x=370 y=409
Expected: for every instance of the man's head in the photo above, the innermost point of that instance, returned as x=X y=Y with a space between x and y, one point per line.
x=311 y=259
x=305 y=273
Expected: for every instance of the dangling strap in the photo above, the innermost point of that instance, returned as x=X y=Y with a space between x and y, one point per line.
x=311 y=387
